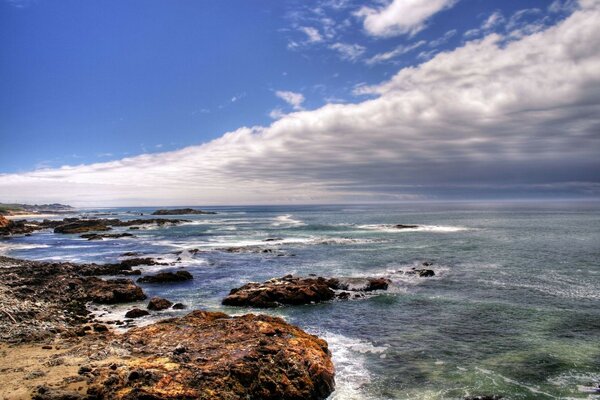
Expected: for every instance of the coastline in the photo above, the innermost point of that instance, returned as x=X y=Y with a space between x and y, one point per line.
x=68 y=353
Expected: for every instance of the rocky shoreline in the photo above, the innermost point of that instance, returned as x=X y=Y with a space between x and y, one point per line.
x=202 y=355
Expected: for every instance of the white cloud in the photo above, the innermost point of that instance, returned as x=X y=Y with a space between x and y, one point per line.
x=491 y=115
x=495 y=19
x=443 y=39
x=398 y=51
x=292 y=98
x=350 y=52
x=276 y=113
x=312 y=34
x=401 y=16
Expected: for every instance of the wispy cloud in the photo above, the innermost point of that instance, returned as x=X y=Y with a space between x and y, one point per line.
x=490 y=114
x=349 y=52
x=312 y=34
x=292 y=98
x=401 y=16
x=398 y=51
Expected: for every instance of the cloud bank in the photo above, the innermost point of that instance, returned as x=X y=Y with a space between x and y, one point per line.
x=494 y=115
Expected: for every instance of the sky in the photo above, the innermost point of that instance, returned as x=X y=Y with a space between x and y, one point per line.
x=147 y=102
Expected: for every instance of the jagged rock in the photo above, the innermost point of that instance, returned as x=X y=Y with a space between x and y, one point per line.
x=158 y=304
x=113 y=291
x=166 y=277
x=136 y=313
x=181 y=211
x=291 y=290
x=213 y=356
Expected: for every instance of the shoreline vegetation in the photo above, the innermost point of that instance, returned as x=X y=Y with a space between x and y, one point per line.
x=52 y=346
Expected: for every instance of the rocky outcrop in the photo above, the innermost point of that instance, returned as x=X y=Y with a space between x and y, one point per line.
x=206 y=355
x=79 y=225
x=291 y=290
x=159 y=304
x=166 y=277
x=202 y=355
x=42 y=299
x=404 y=226
x=182 y=211
x=82 y=226
x=4 y=222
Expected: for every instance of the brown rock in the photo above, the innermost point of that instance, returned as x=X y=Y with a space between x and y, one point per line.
x=213 y=356
x=158 y=304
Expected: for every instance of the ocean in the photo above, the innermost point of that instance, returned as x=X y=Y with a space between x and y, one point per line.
x=513 y=308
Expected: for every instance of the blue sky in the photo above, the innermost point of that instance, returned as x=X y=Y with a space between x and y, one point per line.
x=87 y=82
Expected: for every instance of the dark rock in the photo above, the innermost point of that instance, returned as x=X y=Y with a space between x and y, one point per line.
x=101 y=236
x=136 y=313
x=181 y=211
x=377 y=284
x=422 y=273
x=403 y=226
x=166 y=277
x=100 y=328
x=290 y=290
x=179 y=306
x=82 y=226
x=158 y=304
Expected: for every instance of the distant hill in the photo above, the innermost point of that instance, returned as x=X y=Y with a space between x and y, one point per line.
x=16 y=208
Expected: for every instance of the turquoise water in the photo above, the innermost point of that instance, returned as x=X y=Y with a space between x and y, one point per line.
x=514 y=308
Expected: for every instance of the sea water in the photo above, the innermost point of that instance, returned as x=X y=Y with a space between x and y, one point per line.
x=513 y=310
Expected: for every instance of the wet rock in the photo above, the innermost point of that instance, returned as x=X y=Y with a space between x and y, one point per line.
x=167 y=277
x=377 y=284
x=404 y=226
x=179 y=306
x=213 y=356
x=158 y=304
x=136 y=313
x=290 y=290
x=113 y=291
x=101 y=236
x=100 y=328
x=82 y=226
x=134 y=262
x=276 y=292
x=181 y=211
x=421 y=272
x=131 y=254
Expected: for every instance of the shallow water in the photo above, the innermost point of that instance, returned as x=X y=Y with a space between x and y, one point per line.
x=514 y=308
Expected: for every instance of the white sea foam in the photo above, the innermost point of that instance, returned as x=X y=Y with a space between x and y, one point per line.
x=419 y=228
x=6 y=248
x=349 y=358
x=287 y=220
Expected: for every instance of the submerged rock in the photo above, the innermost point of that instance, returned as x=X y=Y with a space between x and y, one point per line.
x=182 y=211
x=166 y=277
x=404 y=226
x=291 y=290
x=421 y=272
x=100 y=236
x=210 y=355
